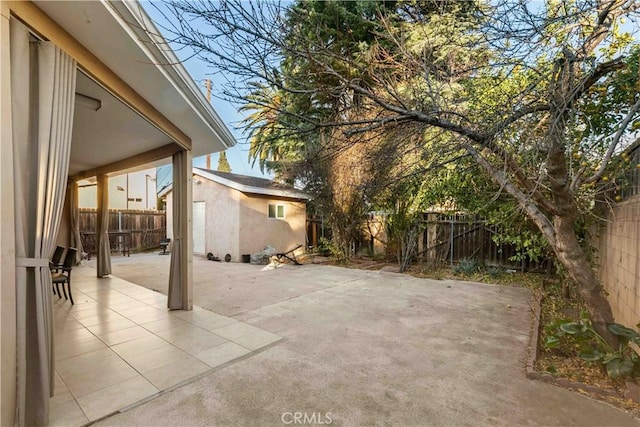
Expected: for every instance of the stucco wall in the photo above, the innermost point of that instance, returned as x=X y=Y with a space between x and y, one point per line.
x=237 y=223
x=135 y=185
x=64 y=230
x=221 y=217
x=375 y=229
x=618 y=244
x=258 y=230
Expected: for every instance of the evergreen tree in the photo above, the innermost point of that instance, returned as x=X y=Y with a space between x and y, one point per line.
x=223 y=164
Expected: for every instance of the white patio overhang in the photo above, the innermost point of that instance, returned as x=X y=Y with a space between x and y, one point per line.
x=145 y=75
x=135 y=105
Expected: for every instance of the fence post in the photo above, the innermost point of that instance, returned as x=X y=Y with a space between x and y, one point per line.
x=451 y=241
x=482 y=239
x=432 y=237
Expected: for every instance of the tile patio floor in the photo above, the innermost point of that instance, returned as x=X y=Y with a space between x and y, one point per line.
x=119 y=345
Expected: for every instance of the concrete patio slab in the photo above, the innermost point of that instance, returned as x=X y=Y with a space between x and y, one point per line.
x=365 y=348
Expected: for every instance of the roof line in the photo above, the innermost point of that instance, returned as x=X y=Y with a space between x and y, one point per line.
x=168 y=64
x=250 y=189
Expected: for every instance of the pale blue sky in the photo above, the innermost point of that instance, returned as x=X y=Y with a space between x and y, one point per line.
x=238 y=155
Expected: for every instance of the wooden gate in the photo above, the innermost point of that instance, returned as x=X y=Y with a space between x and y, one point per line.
x=452 y=238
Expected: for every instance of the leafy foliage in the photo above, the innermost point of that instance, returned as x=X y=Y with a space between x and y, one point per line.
x=582 y=338
x=535 y=99
x=327 y=248
x=404 y=204
x=468 y=267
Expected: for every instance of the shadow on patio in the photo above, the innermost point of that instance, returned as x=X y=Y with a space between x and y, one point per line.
x=119 y=345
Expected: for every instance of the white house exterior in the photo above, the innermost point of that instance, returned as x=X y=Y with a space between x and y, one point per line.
x=240 y=215
x=134 y=190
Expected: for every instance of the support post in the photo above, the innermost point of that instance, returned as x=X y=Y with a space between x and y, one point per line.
x=103 y=254
x=451 y=241
x=180 y=276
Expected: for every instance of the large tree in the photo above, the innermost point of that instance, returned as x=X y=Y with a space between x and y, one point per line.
x=341 y=171
x=540 y=95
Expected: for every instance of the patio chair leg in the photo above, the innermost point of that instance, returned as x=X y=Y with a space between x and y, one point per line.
x=64 y=291
x=58 y=290
x=69 y=286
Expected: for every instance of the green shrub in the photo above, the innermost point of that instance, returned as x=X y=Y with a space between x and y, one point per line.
x=327 y=247
x=467 y=267
x=494 y=271
x=580 y=337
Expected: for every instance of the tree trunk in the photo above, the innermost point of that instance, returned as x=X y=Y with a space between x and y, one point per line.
x=561 y=236
x=565 y=242
x=574 y=260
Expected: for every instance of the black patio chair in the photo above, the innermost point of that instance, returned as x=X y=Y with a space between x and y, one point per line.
x=164 y=243
x=57 y=257
x=63 y=275
x=54 y=263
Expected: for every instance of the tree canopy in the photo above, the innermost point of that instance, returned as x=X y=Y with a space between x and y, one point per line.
x=538 y=96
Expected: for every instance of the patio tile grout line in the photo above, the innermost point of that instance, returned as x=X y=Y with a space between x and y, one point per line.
x=72 y=396
x=109 y=346
x=185 y=382
x=140 y=373
x=159 y=391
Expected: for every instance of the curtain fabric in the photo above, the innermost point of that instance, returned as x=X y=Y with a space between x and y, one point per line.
x=175 y=270
x=43 y=80
x=74 y=213
x=180 y=274
x=102 y=232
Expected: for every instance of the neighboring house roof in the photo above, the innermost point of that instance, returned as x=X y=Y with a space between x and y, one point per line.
x=633 y=146
x=165 y=190
x=246 y=184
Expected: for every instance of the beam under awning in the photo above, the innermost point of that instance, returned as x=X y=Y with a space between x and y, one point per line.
x=150 y=156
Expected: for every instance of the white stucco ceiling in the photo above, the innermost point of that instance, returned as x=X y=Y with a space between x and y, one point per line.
x=112 y=133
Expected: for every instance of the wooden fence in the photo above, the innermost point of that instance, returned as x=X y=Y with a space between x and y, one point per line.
x=147 y=228
x=316 y=229
x=450 y=239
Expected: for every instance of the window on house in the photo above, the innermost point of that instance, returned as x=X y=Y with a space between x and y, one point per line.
x=276 y=211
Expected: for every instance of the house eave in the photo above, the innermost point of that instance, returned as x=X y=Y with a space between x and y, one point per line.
x=148 y=38
x=123 y=37
x=297 y=195
x=250 y=189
